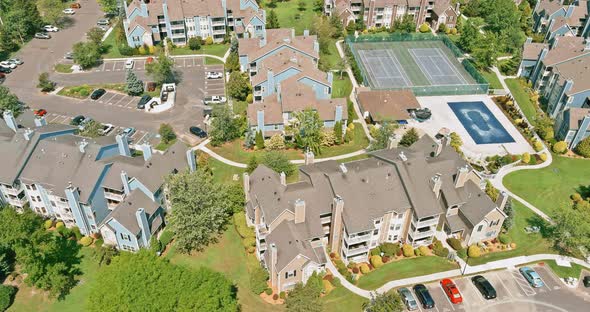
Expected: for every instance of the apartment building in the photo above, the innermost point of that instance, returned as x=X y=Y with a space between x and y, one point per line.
x=150 y=22
x=396 y=195
x=573 y=125
x=556 y=18
x=383 y=13
x=92 y=184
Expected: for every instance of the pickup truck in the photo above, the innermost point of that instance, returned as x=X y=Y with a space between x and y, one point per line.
x=214 y=100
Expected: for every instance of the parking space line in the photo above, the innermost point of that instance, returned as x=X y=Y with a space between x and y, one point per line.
x=119 y=101
x=520 y=280
x=143 y=137
x=114 y=94
x=130 y=101
x=446 y=297
x=104 y=64
x=477 y=293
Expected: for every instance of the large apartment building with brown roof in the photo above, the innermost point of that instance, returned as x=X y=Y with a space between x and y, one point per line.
x=396 y=195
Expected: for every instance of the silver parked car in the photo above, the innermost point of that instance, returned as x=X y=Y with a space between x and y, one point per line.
x=408 y=299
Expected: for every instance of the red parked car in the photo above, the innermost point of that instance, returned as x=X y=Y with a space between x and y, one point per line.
x=40 y=112
x=451 y=290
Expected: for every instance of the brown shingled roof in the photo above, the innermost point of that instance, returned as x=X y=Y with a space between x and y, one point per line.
x=576 y=115
x=276 y=38
x=531 y=50
x=567 y=48
x=578 y=71
x=383 y=104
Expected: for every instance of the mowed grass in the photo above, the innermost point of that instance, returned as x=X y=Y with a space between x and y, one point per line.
x=358 y=142
x=341 y=88
x=564 y=272
x=290 y=16
x=526 y=243
x=340 y=299
x=29 y=299
x=236 y=151
x=217 y=49
x=403 y=269
x=522 y=98
x=550 y=188
x=492 y=78
x=223 y=173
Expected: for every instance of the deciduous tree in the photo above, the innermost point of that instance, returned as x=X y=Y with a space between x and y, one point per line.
x=238 y=86
x=161 y=70
x=166 y=133
x=384 y=302
x=86 y=54
x=9 y=101
x=224 y=126
x=307 y=130
x=409 y=138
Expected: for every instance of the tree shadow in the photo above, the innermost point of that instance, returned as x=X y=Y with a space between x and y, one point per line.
x=545 y=229
x=178 y=76
x=66 y=22
x=583 y=190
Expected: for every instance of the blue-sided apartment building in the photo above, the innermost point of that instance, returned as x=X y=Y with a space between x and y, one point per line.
x=285 y=79
x=151 y=22
x=556 y=18
x=92 y=184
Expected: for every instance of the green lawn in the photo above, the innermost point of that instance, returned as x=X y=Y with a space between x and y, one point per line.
x=341 y=87
x=549 y=189
x=290 y=16
x=29 y=299
x=63 y=68
x=112 y=47
x=332 y=57
x=213 y=49
x=162 y=146
x=492 y=78
x=235 y=151
x=340 y=299
x=222 y=172
x=404 y=269
x=574 y=271
x=526 y=244
x=359 y=142
x=212 y=61
x=522 y=98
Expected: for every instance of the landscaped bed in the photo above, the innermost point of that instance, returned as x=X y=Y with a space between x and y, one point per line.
x=63 y=68
x=83 y=91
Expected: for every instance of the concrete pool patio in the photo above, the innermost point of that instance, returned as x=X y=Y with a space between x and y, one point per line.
x=444 y=117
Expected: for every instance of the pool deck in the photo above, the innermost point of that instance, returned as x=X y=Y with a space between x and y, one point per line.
x=443 y=116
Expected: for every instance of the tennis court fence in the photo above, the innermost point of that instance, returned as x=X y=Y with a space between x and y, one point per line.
x=481 y=86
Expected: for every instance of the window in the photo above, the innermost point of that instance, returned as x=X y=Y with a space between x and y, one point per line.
x=28 y=187
x=258 y=27
x=290 y=274
x=375 y=232
x=398 y=226
x=479 y=228
x=38 y=198
x=125 y=237
x=135 y=38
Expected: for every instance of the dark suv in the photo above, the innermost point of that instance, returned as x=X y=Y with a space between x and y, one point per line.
x=424 y=296
x=143 y=101
x=484 y=287
x=96 y=94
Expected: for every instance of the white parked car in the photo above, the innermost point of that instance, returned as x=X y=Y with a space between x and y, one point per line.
x=214 y=75
x=214 y=100
x=129 y=64
x=50 y=28
x=7 y=64
x=69 y=11
x=106 y=128
x=16 y=61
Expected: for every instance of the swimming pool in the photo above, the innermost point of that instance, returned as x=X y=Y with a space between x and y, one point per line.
x=480 y=123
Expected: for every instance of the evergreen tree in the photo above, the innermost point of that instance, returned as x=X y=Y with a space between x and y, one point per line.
x=272 y=20
x=338 y=132
x=134 y=85
x=409 y=138
x=252 y=164
x=259 y=140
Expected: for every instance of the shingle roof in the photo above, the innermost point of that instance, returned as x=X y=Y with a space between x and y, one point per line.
x=275 y=39
x=576 y=115
x=532 y=49
x=576 y=70
x=124 y=213
x=567 y=48
x=392 y=105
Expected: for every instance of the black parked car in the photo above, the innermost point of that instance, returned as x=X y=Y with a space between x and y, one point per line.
x=424 y=296
x=5 y=70
x=586 y=281
x=143 y=101
x=164 y=97
x=485 y=288
x=76 y=121
x=198 y=132
x=96 y=94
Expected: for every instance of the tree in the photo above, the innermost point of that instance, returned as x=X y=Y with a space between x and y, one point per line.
x=405 y=25
x=22 y=20
x=238 y=86
x=233 y=62
x=382 y=137
x=6 y=296
x=259 y=140
x=45 y=84
x=166 y=133
x=491 y=191
x=409 y=138
x=161 y=71
x=278 y=162
x=86 y=54
x=338 y=132
x=133 y=86
x=384 y=302
x=9 y=101
x=104 y=254
x=301 y=5
x=224 y=127
x=275 y=143
x=258 y=280
x=252 y=164
x=95 y=35
x=341 y=66
x=109 y=6
x=582 y=149
x=165 y=287
x=338 y=28
x=509 y=211
x=203 y=163
x=194 y=43
x=485 y=54
x=470 y=35
x=272 y=21
x=572 y=229
x=303 y=299
x=318 y=5
x=235 y=193
x=51 y=10
x=91 y=129
x=200 y=209
x=307 y=130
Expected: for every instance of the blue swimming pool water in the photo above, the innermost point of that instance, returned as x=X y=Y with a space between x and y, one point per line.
x=480 y=123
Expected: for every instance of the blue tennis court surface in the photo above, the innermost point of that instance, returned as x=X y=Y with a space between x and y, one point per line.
x=480 y=123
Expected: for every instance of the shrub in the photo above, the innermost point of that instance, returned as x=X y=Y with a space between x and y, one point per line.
x=583 y=148
x=376 y=262
x=526 y=158
x=389 y=249
x=48 y=224
x=424 y=250
x=453 y=31
x=275 y=143
x=59 y=225
x=332 y=255
x=444 y=252
x=76 y=232
x=407 y=250
x=258 y=279
x=250 y=249
x=399 y=253
x=276 y=296
x=268 y=291
x=351 y=265
x=560 y=147
x=328 y=287
x=376 y=251
x=6 y=296
x=424 y=28
x=282 y=295
x=418 y=252
x=538 y=146
x=166 y=237
x=543 y=157
x=474 y=251
x=512 y=245
x=249 y=241
x=576 y=197
x=126 y=50
x=209 y=41
x=504 y=239
x=336 y=282
x=385 y=259
x=365 y=268
x=86 y=241
x=355 y=270
x=250 y=98
x=454 y=243
x=462 y=253
x=194 y=43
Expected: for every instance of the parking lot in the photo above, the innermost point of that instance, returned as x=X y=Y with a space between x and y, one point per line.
x=117 y=99
x=114 y=66
x=514 y=293
x=138 y=137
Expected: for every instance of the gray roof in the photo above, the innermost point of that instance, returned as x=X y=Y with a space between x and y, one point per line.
x=124 y=213
x=290 y=243
x=58 y=161
x=477 y=204
x=15 y=149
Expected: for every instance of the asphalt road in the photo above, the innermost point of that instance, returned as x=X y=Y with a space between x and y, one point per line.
x=41 y=55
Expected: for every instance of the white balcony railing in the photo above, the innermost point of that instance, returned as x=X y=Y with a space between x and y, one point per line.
x=325 y=220
x=355 y=251
x=425 y=223
x=357 y=239
x=113 y=196
x=418 y=235
x=11 y=190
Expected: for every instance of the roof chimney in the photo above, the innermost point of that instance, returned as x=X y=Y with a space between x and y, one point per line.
x=28 y=134
x=82 y=145
x=299 y=211
x=436 y=184
x=10 y=120
x=283 y=179
x=146 y=149
x=461 y=176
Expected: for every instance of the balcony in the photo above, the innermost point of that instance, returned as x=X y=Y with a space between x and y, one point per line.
x=355 y=251
x=9 y=190
x=17 y=202
x=261 y=231
x=178 y=35
x=219 y=31
x=357 y=239
x=418 y=235
x=326 y=229
x=325 y=220
x=220 y=22
x=114 y=196
x=425 y=223
x=177 y=26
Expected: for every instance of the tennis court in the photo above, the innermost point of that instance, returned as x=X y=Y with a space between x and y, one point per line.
x=428 y=67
